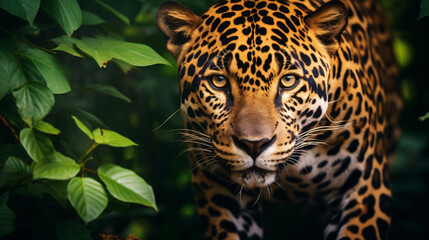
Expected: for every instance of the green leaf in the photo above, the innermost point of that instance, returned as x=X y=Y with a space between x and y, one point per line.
x=66 y=12
x=87 y=196
x=34 y=101
x=424 y=117
x=56 y=167
x=66 y=44
x=14 y=171
x=424 y=9
x=72 y=230
x=25 y=9
x=112 y=10
x=83 y=128
x=10 y=73
x=111 y=138
x=106 y=89
x=36 y=144
x=7 y=217
x=89 y=18
x=16 y=71
x=103 y=49
x=126 y=185
x=89 y=117
x=4 y=85
x=7 y=70
x=49 y=68
x=46 y=128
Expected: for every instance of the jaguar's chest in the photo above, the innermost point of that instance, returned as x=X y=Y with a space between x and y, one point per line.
x=316 y=175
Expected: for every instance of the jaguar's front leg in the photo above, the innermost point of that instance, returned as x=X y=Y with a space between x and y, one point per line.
x=365 y=208
x=225 y=210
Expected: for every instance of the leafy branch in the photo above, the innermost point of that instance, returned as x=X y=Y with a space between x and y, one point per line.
x=32 y=77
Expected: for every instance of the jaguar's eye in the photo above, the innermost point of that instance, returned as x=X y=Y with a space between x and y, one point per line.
x=289 y=81
x=218 y=81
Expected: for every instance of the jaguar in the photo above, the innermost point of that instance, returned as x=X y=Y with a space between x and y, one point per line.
x=288 y=101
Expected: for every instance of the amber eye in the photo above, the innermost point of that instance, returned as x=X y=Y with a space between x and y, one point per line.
x=289 y=81
x=218 y=81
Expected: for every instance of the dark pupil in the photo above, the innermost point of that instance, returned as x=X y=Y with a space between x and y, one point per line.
x=220 y=78
x=289 y=78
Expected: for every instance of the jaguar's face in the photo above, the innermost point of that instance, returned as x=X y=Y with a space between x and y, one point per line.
x=253 y=76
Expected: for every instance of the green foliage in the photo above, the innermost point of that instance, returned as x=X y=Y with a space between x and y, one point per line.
x=154 y=96
x=7 y=217
x=66 y=12
x=49 y=68
x=46 y=127
x=37 y=145
x=107 y=137
x=103 y=49
x=83 y=128
x=424 y=9
x=45 y=154
x=55 y=166
x=126 y=186
x=25 y=9
x=87 y=196
x=14 y=171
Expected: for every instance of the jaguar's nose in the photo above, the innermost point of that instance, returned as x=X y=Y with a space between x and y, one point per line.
x=253 y=148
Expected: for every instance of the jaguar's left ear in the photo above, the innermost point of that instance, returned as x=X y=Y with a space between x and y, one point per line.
x=328 y=22
x=177 y=23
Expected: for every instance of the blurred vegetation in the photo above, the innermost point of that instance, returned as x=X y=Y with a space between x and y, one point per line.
x=154 y=95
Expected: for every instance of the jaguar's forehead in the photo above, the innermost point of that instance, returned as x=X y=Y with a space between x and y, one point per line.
x=253 y=40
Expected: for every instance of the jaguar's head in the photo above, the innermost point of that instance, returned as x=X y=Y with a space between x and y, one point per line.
x=254 y=77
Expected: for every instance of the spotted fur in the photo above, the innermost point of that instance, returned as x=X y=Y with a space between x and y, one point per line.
x=326 y=137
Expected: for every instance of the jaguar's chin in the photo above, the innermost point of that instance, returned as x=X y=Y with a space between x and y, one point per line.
x=254 y=177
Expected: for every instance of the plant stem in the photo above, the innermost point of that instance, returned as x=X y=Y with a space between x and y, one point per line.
x=90 y=170
x=27 y=42
x=86 y=152
x=11 y=130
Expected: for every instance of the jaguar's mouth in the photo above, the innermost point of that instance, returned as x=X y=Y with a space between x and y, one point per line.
x=254 y=177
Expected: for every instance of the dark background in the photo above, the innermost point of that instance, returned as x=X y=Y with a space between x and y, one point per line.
x=154 y=93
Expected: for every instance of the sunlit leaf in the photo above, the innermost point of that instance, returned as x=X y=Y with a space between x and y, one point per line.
x=56 y=167
x=7 y=217
x=37 y=145
x=83 y=128
x=112 y=10
x=87 y=196
x=66 y=12
x=46 y=127
x=126 y=185
x=72 y=230
x=25 y=9
x=103 y=49
x=89 y=18
x=89 y=117
x=14 y=170
x=111 y=138
x=106 y=89
x=49 y=68
x=66 y=44
x=34 y=101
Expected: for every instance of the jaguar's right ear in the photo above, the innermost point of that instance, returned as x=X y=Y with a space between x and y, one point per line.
x=176 y=22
